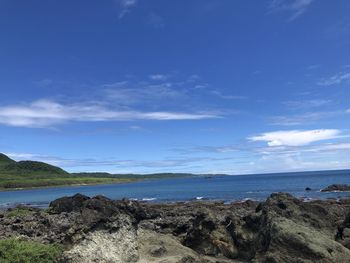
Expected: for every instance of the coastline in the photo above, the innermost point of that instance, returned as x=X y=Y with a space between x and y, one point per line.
x=71 y=185
x=68 y=185
x=100 y=229
x=103 y=181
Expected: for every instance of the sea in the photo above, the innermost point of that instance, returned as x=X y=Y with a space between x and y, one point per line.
x=226 y=188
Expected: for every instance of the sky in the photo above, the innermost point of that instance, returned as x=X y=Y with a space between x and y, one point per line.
x=201 y=86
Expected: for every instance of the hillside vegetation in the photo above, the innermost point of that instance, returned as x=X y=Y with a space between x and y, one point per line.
x=30 y=174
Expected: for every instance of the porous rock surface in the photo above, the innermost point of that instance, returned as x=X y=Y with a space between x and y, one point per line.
x=281 y=229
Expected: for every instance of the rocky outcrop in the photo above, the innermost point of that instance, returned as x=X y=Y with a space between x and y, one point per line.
x=337 y=188
x=281 y=229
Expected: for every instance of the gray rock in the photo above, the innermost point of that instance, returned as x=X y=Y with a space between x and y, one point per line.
x=337 y=188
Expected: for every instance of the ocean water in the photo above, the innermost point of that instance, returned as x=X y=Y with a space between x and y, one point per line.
x=225 y=188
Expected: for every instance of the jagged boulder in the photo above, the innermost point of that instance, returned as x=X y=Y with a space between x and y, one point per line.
x=289 y=230
x=343 y=233
x=68 y=204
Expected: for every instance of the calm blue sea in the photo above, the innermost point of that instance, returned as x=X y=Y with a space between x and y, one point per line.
x=226 y=188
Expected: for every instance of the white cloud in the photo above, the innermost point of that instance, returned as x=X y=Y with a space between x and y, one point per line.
x=297 y=7
x=336 y=79
x=295 y=137
x=45 y=113
x=125 y=6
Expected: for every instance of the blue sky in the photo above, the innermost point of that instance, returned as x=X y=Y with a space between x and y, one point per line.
x=203 y=86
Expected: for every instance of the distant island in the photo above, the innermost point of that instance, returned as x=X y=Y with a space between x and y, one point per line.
x=33 y=174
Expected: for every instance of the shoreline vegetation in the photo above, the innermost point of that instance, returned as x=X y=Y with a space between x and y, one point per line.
x=31 y=174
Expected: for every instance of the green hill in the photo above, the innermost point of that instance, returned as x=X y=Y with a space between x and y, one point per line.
x=5 y=160
x=29 y=174
x=32 y=167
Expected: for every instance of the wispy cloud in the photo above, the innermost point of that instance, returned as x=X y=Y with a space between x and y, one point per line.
x=208 y=149
x=43 y=82
x=305 y=104
x=125 y=93
x=163 y=89
x=312 y=67
x=296 y=7
x=156 y=20
x=158 y=77
x=227 y=96
x=305 y=118
x=125 y=6
x=308 y=149
x=46 y=113
x=296 y=137
x=338 y=78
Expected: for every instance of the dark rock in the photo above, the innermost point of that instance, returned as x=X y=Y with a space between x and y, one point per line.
x=198 y=236
x=343 y=231
x=68 y=204
x=135 y=209
x=100 y=204
x=337 y=188
x=308 y=189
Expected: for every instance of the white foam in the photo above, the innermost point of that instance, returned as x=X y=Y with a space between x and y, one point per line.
x=149 y=199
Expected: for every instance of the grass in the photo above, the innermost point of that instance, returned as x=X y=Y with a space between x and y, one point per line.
x=19 y=212
x=13 y=250
x=135 y=176
x=7 y=184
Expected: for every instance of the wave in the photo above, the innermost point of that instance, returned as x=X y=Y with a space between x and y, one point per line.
x=149 y=199
x=307 y=199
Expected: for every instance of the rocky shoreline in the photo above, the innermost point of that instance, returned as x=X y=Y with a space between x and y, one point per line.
x=281 y=229
x=337 y=188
